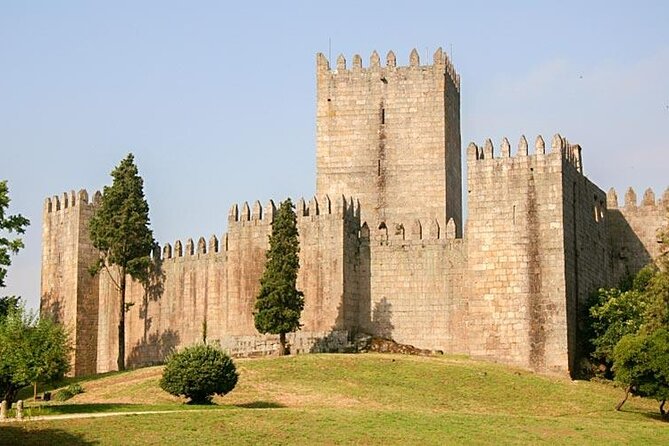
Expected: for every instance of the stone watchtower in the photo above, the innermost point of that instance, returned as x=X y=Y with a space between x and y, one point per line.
x=390 y=136
x=69 y=292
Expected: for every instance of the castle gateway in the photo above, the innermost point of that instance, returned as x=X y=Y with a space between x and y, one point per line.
x=382 y=244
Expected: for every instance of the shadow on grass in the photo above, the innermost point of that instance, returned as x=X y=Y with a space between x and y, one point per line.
x=260 y=405
x=27 y=392
x=655 y=416
x=644 y=413
x=61 y=409
x=18 y=435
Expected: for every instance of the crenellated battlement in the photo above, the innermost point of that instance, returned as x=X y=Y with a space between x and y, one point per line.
x=190 y=249
x=256 y=215
x=630 y=204
x=343 y=207
x=559 y=145
x=440 y=62
x=69 y=200
x=417 y=231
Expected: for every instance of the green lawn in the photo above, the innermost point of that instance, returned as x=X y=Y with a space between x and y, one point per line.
x=354 y=399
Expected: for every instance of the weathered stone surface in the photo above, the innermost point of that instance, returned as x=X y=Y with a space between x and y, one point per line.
x=391 y=138
x=381 y=245
x=19 y=410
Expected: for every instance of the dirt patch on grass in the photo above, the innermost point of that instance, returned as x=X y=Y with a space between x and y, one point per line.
x=136 y=387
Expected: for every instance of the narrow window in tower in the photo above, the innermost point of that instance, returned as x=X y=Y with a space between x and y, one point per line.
x=378 y=168
x=383 y=116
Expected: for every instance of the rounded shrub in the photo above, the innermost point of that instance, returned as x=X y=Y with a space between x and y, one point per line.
x=199 y=372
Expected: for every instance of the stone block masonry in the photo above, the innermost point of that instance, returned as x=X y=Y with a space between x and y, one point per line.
x=390 y=136
x=68 y=292
x=215 y=283
x=382 y=249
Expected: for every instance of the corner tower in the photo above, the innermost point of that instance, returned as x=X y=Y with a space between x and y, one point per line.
x=390 y=136
x=69 y=294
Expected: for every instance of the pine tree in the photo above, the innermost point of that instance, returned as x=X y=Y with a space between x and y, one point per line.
x=120 y=230
x=280 y=303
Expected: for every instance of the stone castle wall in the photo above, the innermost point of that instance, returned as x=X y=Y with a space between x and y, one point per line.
x=216 y=283
x=390 y=136
x=586 y=249
x=516 y=272
x=417 y=289
x=540 y=237
x=68 y=292
x=633 y=230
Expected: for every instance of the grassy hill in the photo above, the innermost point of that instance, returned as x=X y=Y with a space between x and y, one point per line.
x=359 y=399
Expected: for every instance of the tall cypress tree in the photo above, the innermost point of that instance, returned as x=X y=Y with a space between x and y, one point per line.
x=120 y=230
x=280 y=303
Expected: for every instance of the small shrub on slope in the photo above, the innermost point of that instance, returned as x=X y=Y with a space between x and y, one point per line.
x=68 y=392
x=199 y=372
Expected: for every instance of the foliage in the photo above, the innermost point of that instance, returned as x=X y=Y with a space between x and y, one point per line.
x=614 y=314
x=199 y=372
x=279 y=303
x=657 y=312
x=9 y=224
x=68 y=392
x=120 y=226
x=641 y=362
x=7 y=304
x=31 y=350
x=630 y=329
x=120 y=230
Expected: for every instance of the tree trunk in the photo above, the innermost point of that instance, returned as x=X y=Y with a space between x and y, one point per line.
x=282 y=344
x=10 y=395
x=662 y=411
x=120 y=362
x=627 y=394
x=35 y=391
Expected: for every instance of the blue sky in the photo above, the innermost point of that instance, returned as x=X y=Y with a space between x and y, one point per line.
x=217 y=100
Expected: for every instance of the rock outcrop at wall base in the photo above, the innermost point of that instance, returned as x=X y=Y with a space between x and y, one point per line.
x=365 y=343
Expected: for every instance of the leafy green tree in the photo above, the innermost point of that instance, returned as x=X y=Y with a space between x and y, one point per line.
x=199 y=372
x=656 y=315
x=279 y=303
x=615 y=313
x=631 y=330
x=31 y=350
x=641 y=363
x=120 y=229
x=9 y=224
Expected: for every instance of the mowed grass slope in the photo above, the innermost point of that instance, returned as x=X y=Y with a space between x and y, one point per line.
x=359 y=399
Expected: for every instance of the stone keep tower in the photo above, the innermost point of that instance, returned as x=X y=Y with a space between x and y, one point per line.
x=390 y=136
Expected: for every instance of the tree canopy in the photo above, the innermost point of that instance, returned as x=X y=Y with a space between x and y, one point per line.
x=120 y=229
x=641 y=363
x=617 y=312
x=31 y=350
x=279 y=304
x=9 y=224
x=630 y=326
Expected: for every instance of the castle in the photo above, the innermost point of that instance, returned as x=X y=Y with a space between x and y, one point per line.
x=382 y=244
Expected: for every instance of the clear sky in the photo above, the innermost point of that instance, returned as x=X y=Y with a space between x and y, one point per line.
x=217 y=99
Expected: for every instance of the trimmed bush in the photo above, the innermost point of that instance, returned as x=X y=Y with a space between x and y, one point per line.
x=199 y=372
x=68 y=392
